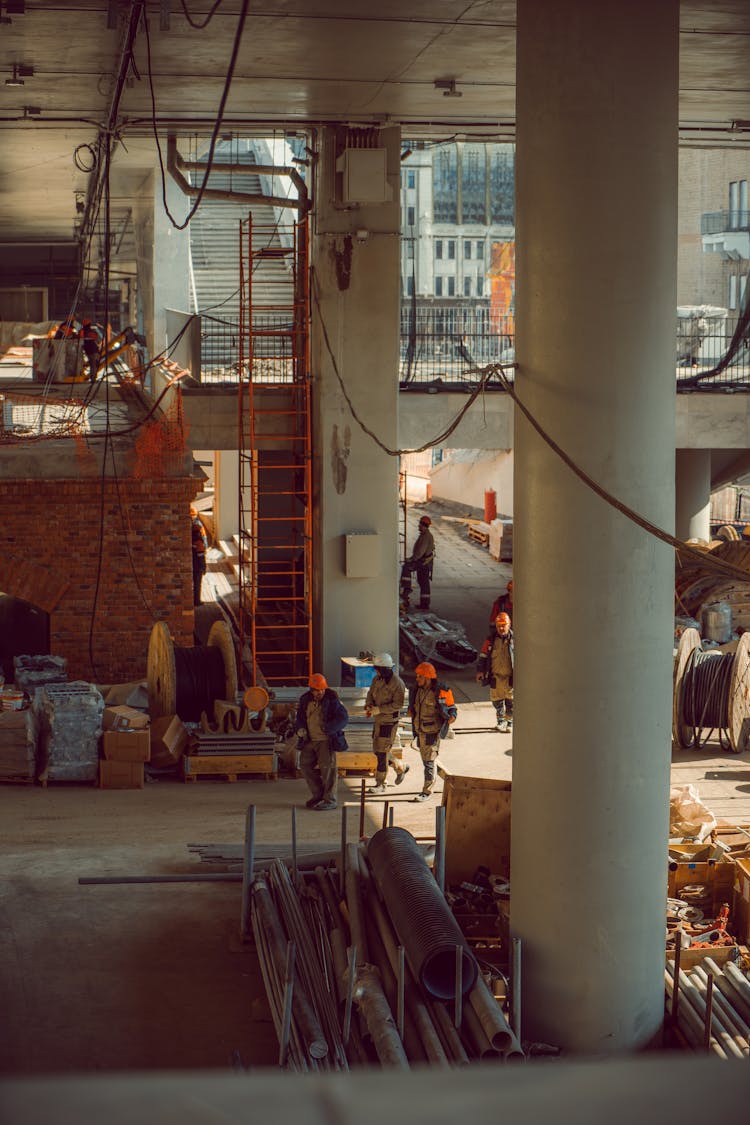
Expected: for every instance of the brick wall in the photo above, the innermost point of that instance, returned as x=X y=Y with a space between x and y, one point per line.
x=51 y=557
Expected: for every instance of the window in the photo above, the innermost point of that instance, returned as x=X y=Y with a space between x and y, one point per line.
x=467 y=287
x=410 y=287
x=732 y=301
x=411 y=179
x=502 y=183
x=438 y=286
x=410 y=248
x=410 y=216
x=480 y=285
x=439 y=249
x=473 y=184
x=451 y=287
x=744 y=217
x=480 y=251
x=451 y=248
x=467 y=249
x=734 y=203
x=445 y=185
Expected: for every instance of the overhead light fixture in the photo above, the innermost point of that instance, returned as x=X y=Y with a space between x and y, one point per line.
x=15 y=80
x=448 y=86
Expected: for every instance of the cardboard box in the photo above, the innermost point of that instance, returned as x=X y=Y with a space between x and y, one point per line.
x=126 y=746
x=169 y=740
x=123 y=718
x=121 y=775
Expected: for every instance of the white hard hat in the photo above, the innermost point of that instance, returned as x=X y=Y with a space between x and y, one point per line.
x=383 y=660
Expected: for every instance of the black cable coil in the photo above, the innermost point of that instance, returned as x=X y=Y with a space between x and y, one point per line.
x=421 y=917
x=201 y=680
x=704 y=699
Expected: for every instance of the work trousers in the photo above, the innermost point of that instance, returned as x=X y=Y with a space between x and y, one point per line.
x=383 y=737
x=428 y=746
x=318 y=765
x=424 y=574
x=199 y=569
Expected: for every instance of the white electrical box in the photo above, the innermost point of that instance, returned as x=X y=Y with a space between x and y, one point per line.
x=364 y=172
x=362 y=554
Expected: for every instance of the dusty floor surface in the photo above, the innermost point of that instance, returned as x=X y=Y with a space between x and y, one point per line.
x=153 y=976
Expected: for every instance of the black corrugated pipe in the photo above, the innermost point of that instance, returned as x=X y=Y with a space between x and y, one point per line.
x=421 y=917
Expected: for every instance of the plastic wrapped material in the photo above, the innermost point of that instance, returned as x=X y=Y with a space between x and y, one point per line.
x=70 y=725
x=683 y=623
x=717 y=622
x=689 y=818
x=33 y=671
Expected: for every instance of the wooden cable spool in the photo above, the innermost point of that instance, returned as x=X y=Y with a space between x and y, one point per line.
x=166 y=686
x=734 y=707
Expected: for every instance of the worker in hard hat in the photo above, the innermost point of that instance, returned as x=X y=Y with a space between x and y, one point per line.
x=383 y=703
x=320 y=722
x=91 y=342
x=503 y=603
x=199 y=544
x=432 y=710
x=419 y=561
x=495 y=669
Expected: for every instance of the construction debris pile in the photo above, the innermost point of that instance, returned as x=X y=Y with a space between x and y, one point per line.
x=369 y=965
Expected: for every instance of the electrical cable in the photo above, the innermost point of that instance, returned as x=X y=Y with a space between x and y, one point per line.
x=200 y=679
x=217 y=123
x=209 y=17
x=704 y=698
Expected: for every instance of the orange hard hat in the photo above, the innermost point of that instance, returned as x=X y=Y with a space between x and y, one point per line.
x=509 y=587
x=502 y=619
x=317 y=682
x=427 y=670
x=426 y=521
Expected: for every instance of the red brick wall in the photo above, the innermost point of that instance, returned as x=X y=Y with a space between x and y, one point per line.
x=51 y=557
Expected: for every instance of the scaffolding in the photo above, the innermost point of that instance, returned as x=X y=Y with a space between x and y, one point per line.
x=275 y=509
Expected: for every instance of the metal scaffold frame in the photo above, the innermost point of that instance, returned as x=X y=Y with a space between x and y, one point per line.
x=275 y=501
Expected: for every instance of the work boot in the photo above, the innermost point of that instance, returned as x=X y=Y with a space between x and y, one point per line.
x=503 y=726
x=379 y=788
x=421 y=797
x=401 y=774
x=312 y=802
x=324 y=806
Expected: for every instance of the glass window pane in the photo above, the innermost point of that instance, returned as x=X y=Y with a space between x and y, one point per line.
x=411 y=179
x=467 y=249
x=473 y=184
x=445 y=185
x=480 y=285
x=480 y=251
x=439 y=248
x=451 y=286
x=410 y=216
x=467 y=287
x=502 y=185
x=451 y=248
x=438 y=286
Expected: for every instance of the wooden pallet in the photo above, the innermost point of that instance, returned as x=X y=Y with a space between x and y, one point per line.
x=355 y=763
x=479 y=532
x=16 y=779
x=230 y=766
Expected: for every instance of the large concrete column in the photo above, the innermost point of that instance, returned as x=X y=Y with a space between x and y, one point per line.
x=226 y=492
x=693 y=497
x=595 y=300
x=355 y=315
x=171 y=259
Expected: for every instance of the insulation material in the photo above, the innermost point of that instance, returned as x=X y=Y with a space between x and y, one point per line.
x=70 y=725
x=33 y=671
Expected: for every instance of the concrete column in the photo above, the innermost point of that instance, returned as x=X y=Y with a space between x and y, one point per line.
x=693 y=497
x=226 y=492
x=171 y=259
x=355 y=349
x=595 y=299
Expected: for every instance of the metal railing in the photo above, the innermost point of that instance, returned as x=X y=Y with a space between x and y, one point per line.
x=717 y=222
x=445 y=344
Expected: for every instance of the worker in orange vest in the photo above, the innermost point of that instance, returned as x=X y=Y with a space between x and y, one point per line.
x=432 y=709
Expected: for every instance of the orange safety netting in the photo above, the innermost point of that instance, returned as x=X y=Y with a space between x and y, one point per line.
x=161 y=443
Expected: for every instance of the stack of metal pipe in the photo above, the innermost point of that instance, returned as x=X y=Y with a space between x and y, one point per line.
x=367 y=965
x=710 y=1007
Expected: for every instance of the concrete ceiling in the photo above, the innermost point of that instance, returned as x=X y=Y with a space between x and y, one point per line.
x=300 y=62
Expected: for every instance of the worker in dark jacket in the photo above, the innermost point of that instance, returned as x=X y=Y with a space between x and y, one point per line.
x=503 y=603
x=321 y=718
x=495 y=669
x=420 y=560
x=199 y=544
x=90 y=338
x=432 y=710
x=385 y=698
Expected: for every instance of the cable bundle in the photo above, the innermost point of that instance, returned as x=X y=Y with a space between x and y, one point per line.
x=705 y=695
x=200 y=679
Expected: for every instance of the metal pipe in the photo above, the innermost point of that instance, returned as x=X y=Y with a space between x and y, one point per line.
x=698 y=1001
x=439 y=863
x=452 y=1040
x=346 y=1029
x=386 y=806
x=474 y=1032
x=690 y=1024
x=304 y=1013
x=515 y=989
x=362 y=810
x=733 y=1022
x=458 y=992
x=725 y=983
x=294 y=845
x=342 y=863
x=707 y=1021
x=354 y=903
x=676 y=989
x=496 y=1027
x=375 y=1009
x=248 y=871
x=286 y=1019
x=740 y=982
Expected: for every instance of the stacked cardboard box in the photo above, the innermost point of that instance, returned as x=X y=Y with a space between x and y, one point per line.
x=17 y=746
x=126 y=745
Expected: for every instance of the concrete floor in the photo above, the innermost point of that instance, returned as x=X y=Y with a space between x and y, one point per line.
x=153 y=976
